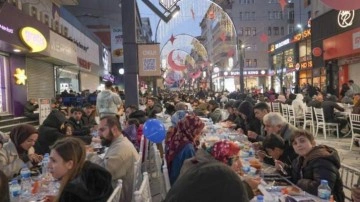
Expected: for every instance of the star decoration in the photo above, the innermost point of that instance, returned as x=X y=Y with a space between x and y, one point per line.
x=282 y=3
x=264 y=38
x=172 y=39
x=20 y=76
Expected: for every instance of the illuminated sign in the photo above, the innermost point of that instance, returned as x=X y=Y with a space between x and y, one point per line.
x=303 y=35
x=291 y=65
x=305 y=65
x=346 y=18
x=33 y=39
x=282 y=43
x=6 y=29
x=20 y=76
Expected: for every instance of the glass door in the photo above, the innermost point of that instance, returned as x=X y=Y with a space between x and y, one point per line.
x=4 y=84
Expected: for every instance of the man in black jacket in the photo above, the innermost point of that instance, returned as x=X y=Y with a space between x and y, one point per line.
x=29 y=109
x=329 y=106
x=79 y=129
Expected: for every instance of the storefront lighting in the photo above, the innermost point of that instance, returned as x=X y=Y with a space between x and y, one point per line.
x=284 y=70
x=226 y=73
x=121 y=71
x=204 y=74
x=216 y=69
x=263 y=72
x=17 y=50
x=231 y=62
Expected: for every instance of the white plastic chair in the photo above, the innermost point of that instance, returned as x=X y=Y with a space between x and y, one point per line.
x=137 y=172
x=355 y=127
x=309 y=119
x=275 y=106
x=166 y=175
x=285 y=111
x=292 y=117
x=320 y=123
x=115 y=196
x=143 y=194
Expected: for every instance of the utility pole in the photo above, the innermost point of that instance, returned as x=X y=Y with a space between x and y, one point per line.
x=241 y=53
x=131 y=79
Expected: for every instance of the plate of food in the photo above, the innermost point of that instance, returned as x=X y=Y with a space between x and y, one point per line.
x=292 y=191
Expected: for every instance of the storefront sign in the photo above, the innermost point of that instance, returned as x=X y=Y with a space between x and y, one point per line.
x=356 y=40
x=282 y=43
x=34 y=39
x=84 y=64
x=106 y=60
x=6 y=29
x=20 y=76
x=303 y=35
x=305 y=65
x=62 y=49
x=346 y=18
x=149 y=60
x=108 y=77
x=44 y=108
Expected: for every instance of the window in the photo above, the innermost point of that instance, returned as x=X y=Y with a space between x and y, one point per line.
x=269 y=31
x=241 y=16
x=248 y=63
x=253 y=16
x=248 y=31
x=282 y=31
x=247 y=16
x=276 y=31
x=253 y=30
x=270 y=16
x=255 y=63
x=291 y=15
x=241 y=31
x=291 y=29
x=309 y=14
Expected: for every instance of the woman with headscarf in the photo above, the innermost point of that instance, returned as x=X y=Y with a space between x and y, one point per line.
x=225 y=152
x=19 y=150
x=251 y=123
x=181 y=144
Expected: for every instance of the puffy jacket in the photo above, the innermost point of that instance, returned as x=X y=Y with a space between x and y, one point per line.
x=92 y=184
x=322 y=163
x=107 y=102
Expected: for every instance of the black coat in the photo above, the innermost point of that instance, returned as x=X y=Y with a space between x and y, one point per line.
x=322 y=163
x=79 y=128
x=92 y=184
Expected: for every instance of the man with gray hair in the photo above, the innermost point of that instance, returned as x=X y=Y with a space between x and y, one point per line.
x=276 y=124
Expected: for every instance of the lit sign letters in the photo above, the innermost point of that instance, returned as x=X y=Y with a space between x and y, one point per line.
x=305 y=65
x=6 y=29
x=282 y=43
x=33 y=39
x=346 y=18
x=303 y=35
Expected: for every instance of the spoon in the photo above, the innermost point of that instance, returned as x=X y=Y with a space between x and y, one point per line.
x=283 y=170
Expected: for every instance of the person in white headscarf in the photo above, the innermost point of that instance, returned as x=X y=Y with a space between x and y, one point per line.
x=299 y=105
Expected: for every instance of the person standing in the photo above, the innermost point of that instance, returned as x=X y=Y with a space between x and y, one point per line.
x=108 y=102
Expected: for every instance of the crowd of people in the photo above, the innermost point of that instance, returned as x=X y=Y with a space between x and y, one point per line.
x=197 y=172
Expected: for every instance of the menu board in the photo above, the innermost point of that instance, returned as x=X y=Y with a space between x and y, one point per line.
x=44 y=109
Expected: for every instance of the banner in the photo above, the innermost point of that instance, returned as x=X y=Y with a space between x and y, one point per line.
x=117 y=49
x=44 y=109
x=149 y=59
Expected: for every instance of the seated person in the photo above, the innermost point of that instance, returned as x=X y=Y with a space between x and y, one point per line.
x=214 y=111
x=77 y=123
x=329 y=107
x=88 y=116
x=315 y=163
x=225 y=152
x=210 y=182
x=283 y=153
x=29 y=109
x=19 y=150
x=80 y=180
x=181 y=143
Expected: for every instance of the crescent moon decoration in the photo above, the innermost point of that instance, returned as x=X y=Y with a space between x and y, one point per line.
x=172 y=63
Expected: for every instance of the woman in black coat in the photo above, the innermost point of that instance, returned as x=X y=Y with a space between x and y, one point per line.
x=315 y=163
x=251 y=123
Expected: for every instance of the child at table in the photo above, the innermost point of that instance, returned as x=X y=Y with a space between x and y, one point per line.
x=315 y=163
x=80 y=180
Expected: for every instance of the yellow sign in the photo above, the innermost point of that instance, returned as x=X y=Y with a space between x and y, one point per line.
x=33 y=39
x=20 y=76
x=303 y=35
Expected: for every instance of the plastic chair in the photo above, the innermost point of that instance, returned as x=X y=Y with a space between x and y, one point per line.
x=285 y=111
x=137 y=172
x=143 y=194
x=115 y=196
x=292 y=117
x=355 y=127
x=309 y=119
x=166 y=175
x=275 y=106
x=320 y=123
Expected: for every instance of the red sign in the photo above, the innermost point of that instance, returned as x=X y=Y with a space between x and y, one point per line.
x=317 y=51
x=84 y=64
x=343 y=4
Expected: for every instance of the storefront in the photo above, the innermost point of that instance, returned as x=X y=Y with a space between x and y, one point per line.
x=4 y=83
x=291 y=61
x=338 y=48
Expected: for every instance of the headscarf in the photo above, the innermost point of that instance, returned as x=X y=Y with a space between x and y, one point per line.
x=224 y=150
x=180 y=114
x=185 y=132
x=19 y=134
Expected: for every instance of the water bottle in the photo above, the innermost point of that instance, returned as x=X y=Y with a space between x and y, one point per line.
x=44 y=164
x=259 y=198
x=324 y=191
x=25 y=181
x=15 y=190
